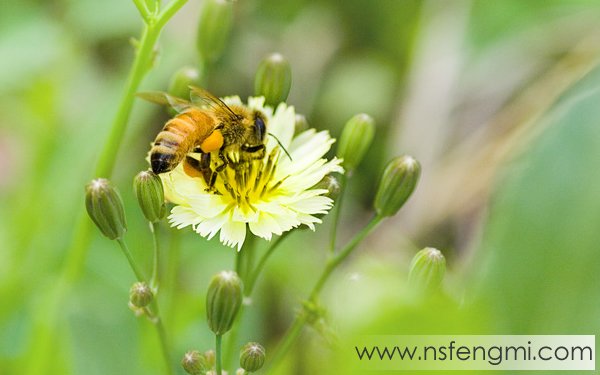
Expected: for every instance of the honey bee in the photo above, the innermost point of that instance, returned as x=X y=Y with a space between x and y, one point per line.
x=208 y=126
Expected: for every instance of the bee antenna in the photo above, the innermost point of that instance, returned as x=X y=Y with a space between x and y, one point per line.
x=280 y=145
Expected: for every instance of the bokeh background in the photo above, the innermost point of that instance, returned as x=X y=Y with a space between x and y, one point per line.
x=498 y=100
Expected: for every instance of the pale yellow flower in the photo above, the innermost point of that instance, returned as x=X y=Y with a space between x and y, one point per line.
x=267 y=196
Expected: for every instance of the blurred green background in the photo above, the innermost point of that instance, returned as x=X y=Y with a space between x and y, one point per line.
x=498 y=100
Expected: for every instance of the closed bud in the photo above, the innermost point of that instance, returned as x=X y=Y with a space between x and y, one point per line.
x=300 y=124
x=273 y=79
x=252 y=357
x=397 y=184
x=216 y=20
x=140 y=294
x=355 y=140
x=331 y=184
x=149 y=191
x=427 y=269
x=223 y=301
x=194 y=363
x=181 y=81
x=105 y=207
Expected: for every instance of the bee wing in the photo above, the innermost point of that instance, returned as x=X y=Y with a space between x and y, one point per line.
x=202 y=97
x=162 y=98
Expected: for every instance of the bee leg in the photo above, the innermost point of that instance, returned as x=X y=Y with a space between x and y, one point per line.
x=198 y=168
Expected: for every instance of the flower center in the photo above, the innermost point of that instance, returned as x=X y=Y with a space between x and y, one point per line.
x=248 y=182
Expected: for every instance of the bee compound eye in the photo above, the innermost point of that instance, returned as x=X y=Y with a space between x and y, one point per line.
x=261 y=129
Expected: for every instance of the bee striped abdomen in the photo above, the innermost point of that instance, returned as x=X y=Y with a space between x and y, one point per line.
x=177 y=138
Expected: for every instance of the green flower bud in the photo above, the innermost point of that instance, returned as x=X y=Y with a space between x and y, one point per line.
x=223 y=301
x=216 y=20
x=300 y=124
x=427 y=269
x=195 y=363
x=140 y=294
x=182 y=79
x=105 y=207
x=273 y=79
x=397 y=184
x=149 y=191
x=252 y=357
x=355 y=140
x=331 y=184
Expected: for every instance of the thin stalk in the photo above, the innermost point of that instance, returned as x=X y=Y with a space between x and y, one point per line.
x=243 y=264
x=218 y=353
x=244 y=259
x=261 y=264
x=170 y=278
x=134 y=267
x=143 y=9
x=248 y=289
x=296 y=328
x=154 y=317
x=336 y=213
x=289 y=339
x=154 y=280
x=343 y=254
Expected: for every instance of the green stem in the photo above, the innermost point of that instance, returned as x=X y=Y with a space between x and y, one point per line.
x=143 y=9
x=248 y=289
x=336 y=213
x=155 y=263
x=244 y=260
x=162 y=335
x=47 y=313
x=296 y=328
x=289 y=339
x=261 y=264
x=134 y=267
x=343 y=254
x=218 y=353
x=141 y=64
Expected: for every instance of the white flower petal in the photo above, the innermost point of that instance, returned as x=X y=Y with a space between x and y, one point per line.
x=232 y=100
x=206 y=205
x=305 y=153
x=182 y=217
x=309 y=220
x=265 y=227
x=313 y=205
x=233 y=234
x=209 y=227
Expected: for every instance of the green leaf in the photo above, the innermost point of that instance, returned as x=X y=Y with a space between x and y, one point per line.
x=542 y=241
